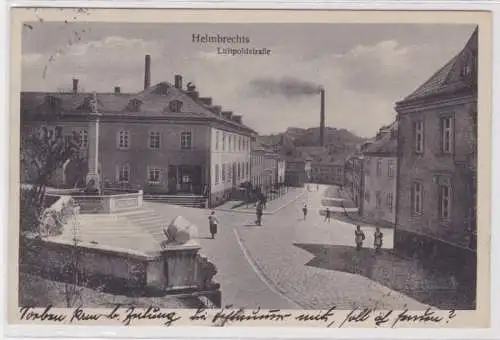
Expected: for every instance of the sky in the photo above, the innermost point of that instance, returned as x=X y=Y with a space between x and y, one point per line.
x=364 y=68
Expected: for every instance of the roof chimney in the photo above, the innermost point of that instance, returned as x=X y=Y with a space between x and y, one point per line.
x=206 y=100
x=117 y=90
x=178 y=81
x=322 y=118
x=75 y=86
x=147 y=71
x=237 y=119
x=227 y=114
x=217 y=109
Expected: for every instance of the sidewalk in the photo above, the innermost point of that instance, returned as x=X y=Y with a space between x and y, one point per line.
x=271 y=207
x=316 y=264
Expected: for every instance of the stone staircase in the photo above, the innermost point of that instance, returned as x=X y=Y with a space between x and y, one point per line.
x=192 y=201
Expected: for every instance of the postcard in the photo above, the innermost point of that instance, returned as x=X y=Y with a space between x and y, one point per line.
x=235 y=168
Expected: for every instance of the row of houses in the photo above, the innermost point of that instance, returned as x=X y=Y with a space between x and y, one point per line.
x=166 y=139
x=418 y=174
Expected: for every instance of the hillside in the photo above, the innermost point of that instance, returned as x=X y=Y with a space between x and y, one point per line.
x=297 y=141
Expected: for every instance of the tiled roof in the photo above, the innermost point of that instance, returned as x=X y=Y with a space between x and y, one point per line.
x=154 y=102
x=384 y=145
x=447 y=79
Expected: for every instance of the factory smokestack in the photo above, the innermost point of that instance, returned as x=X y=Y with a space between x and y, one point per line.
x=147 y=71
x=322 y=118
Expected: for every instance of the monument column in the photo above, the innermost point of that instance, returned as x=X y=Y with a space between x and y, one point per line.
x=93 y=178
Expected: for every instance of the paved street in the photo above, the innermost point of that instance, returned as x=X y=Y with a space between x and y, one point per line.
x=292 y=263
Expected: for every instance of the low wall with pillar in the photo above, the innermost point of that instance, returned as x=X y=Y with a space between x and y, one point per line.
x=107 y=203
x=176 y=270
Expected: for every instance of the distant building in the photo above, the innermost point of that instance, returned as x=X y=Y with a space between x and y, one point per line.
x=379 y=173
x=281 y=169
x=298 y=171
x=437 y=164
x=165 y=139
x=264 y=167
x=327 y=172
x=354 y=179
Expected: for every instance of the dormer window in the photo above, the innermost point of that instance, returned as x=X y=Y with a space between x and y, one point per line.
x=134 y=105
x=468 y=68
x=175 y=106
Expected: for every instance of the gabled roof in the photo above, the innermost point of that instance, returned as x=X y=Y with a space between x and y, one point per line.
x=449 y=78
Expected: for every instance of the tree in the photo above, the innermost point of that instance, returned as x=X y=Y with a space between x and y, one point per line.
x=42 y=154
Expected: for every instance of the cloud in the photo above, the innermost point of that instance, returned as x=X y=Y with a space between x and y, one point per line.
x=361 y=84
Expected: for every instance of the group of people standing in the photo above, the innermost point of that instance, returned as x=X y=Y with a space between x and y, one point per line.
x=359 y=235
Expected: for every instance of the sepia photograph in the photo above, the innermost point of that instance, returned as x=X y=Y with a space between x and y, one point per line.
x=249 y=171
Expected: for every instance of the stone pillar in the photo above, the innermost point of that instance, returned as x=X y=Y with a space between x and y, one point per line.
x=93 y=180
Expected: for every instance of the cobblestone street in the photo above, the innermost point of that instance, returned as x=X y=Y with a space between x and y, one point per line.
x=292 y=263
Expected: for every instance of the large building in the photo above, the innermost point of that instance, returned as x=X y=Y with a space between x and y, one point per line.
x=298 y=171
x=437 y=164
x=264 y=167
x=164 y=139
x=379 y=182
x=327 y=172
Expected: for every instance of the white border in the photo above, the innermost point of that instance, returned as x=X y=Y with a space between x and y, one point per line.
x=48 y=332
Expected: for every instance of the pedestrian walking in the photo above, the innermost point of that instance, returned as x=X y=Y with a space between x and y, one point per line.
x=304 y=210
x=213 y=223
x=317 y=187
x=259 y=214
x=378 y=239
x=327 y=215
x=359 y=237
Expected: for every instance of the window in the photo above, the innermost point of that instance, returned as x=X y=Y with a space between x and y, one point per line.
x=390 y=199
x=154 y=175
x=134 y=105
x=419 y=137
x=416 y=198
x=185 y=140
x=378 y=201
x=175 y=106
x=239 y=143
x=154 y=140
x=367 y=196
x=248 y=169
x=445 y=201
x=68 y=140
x=379 y=167
x=446 y=135
x=124 y=173
x=223 y=173
x=239 y=171
x=223 y=142
x=229 y=173
x=216 y=173
x=390 y=169
x=217 y=135
x=229 y=143
x=123 y=139
x=84 y=139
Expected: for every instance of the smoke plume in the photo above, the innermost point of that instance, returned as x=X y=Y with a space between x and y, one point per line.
x=288 y=87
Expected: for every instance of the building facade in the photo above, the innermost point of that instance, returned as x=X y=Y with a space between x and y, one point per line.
x=264 y=170
x=281 y=168
x=327 y=173
x=437 y=164
x=165 y=139
x=354 y=179
x=380 y=178
x=297 y=172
